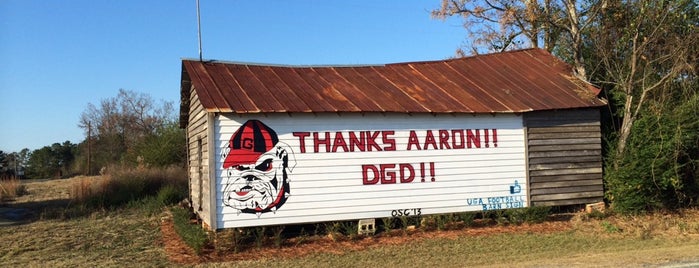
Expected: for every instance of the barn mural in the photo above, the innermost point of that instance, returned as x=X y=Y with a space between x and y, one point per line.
x=332 y=167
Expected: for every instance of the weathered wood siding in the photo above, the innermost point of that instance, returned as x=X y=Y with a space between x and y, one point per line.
x=198 y=158
x=564 y=157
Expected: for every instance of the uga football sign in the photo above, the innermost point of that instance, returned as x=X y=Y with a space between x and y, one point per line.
x=281 y=169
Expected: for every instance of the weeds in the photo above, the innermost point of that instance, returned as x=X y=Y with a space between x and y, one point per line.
x=350 y=229
x=277 y=236
x=193 y=235
x=528 y=215
x=259 y=234
x=441 y=222
x=609 y=227
x=467 y=217
x=128 y=186
x=170 y=194
x=303 y=237
x=500 y=216
x=386 y=224
x=404 y=222
x=596 y=214
x=332 y=229
x=11 y=188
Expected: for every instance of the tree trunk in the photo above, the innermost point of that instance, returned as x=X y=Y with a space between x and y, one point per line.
x=576 y=38
x=625 y=130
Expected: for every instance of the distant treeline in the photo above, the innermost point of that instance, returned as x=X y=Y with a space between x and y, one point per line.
x=130 y=129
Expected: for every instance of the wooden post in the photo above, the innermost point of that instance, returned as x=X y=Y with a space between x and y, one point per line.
x=89 y=149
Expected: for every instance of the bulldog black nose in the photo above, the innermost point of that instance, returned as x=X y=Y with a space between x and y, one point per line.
x=249 y=178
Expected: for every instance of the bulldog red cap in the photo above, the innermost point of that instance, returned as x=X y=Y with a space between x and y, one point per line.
x=250 y=141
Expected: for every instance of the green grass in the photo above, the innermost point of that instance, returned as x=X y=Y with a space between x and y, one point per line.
x=193 y=235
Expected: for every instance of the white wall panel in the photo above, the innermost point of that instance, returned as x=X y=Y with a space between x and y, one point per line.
x=341 y=185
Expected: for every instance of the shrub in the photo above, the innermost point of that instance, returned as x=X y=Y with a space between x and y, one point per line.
x=193 y=235
x=528 y=214
x=169 y=194
x=467 y=217
x=660 y=167
x=167 y=146
x=277 y=235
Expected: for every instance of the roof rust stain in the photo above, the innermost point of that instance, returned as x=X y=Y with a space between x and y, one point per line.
x=509 y=82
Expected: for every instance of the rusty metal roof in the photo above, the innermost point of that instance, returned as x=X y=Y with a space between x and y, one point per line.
x=509 y=82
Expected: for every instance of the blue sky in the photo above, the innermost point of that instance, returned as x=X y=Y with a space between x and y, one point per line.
x=58 y=56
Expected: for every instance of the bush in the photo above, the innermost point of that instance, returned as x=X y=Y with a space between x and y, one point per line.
x=467 y=217
x=169 y=194
x=528 y=214
x=167 y=146
x=193 y=235
x=660 y=167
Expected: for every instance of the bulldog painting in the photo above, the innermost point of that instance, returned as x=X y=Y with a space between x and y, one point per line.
x=257 y=168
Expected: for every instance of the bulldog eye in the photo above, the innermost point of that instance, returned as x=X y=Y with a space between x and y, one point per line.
x=240 y=168
x=265 y=166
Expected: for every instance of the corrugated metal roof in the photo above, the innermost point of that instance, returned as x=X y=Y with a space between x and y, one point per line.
x=509 y=82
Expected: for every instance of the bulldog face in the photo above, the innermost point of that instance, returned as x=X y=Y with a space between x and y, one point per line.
x=261 y=186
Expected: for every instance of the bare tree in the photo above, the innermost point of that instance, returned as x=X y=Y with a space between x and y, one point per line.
x=499 y=25
x=644 y=47
x=130 y=115
x=119 y=124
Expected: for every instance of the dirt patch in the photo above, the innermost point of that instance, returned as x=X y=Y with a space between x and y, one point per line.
x=177 y=251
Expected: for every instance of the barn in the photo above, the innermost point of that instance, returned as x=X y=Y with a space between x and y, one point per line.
x=278 y=144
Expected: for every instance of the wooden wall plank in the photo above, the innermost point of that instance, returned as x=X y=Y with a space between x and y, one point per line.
x=556 y=154
x=565 y=135
x=563 y=196
x=571 y=113
x=551 y=172
x=569 y=165
x=562 y=129
x=568 y=201
x=561 y=123
x=575 y=147
x=564 y=142
x=567 y=177
x=568 y=183
x=564 y=157
x=563 y=190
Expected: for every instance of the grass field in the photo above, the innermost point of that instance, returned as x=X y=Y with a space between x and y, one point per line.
x=132 y=236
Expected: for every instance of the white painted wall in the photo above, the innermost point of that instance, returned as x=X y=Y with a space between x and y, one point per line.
x=327 y=186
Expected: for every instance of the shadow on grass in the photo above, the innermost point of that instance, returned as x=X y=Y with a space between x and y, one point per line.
x=27 y=212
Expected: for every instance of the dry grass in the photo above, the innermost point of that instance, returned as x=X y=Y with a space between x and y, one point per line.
x=11 y=188
x=682 y=223
x=86 y=187
x=130 y=237
x=102 y=239
x=123 y=185
x=580 y=242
